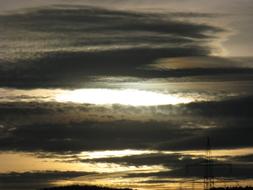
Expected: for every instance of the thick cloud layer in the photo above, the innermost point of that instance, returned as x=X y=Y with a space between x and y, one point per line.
x=89 y=47
x=63 y=45
x=65 y=127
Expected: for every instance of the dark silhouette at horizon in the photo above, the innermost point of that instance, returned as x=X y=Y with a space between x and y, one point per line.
x=233 y=188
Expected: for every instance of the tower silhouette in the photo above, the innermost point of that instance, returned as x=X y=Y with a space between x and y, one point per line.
x=208 y=164
x=208 y=176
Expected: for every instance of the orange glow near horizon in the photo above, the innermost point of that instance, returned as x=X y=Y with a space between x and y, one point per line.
x=109 y=174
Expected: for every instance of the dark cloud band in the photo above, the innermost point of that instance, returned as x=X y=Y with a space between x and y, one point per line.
x=62 y=46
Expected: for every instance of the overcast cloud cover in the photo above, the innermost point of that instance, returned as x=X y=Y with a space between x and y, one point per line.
x=189 y=48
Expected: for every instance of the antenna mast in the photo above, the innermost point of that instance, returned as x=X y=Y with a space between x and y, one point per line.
x=208 y=176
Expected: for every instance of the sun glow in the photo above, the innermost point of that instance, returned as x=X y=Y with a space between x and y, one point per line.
x=112 y=153
x=124 y=97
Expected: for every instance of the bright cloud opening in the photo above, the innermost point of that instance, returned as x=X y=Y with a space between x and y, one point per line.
x=124 y=97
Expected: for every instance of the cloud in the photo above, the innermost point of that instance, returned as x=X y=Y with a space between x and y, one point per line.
x=89 y=136
x=56 y=127
x=233 y=107
x=224 y=137
x=170 y=161
x=35 y=180
x=230 y=119
x=109 y=20
x=63 y=45
x=204 y=62
x=238 y=172
x=243 y=158
x=181 y=166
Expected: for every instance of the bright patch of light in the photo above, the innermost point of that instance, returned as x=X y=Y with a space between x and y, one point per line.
x=124 y=97
x=112 y=153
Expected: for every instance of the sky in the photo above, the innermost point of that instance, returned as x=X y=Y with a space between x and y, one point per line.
x=125 y=93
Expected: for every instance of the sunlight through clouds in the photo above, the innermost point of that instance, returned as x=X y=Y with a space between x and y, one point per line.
x=112 y=153
x=124 y=97
x=125 y=93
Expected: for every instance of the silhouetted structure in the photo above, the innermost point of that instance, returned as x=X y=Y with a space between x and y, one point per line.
x=208 y=177
x=233 y=188
x=208 y=165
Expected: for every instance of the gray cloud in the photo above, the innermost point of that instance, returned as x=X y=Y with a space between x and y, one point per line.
x=181 y=165
x=63 y=45
x=59 y=127
x=35 y=180
x=70 y=46
x=244 y=158
x=106 y=20
x=224 y=137
x=234 y=107
x=50 y=138
x=171 y=161
x=238 y=172
x=90 y=136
